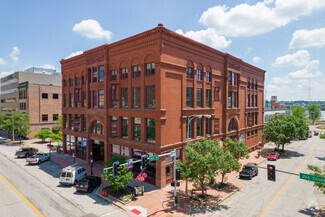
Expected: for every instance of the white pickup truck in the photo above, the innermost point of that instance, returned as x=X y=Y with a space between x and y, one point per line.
x=38 y=158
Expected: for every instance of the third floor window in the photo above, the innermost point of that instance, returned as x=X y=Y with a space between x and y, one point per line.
x=150 y=96
x=94 y=74
x=124 y=97
x=136 y=97
x=199 y=75
x=113 y=75
x=199 y=97
x=189 y=72
x=124 y=73
x=136 y=71
x=150 y=68
x=232 y=78
x=101 y=73
x=189 y=97
x=208 y=76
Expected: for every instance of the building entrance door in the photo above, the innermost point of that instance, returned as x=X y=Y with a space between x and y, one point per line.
x=98 y=150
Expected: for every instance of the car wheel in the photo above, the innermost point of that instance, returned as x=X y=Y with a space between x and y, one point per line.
x=250 y=178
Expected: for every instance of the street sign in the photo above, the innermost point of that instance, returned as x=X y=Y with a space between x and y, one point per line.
x=312 y=178
x=153 y=158
x=130 y=164
x=173 y=153
x=84 y=143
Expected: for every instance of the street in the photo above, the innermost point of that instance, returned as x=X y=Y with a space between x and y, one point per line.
x=289 y=195
x=39 y=184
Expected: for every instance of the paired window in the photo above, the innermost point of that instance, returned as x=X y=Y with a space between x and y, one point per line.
x=150 y=96
x=124 y=97
x=136 y=71
x=136 y=97
x=124 y=73
x=22 y=106
x=97 y=128
x=94 y=74
x=232 y=125
x=189 y=97
x=189 y=72
x=137 y=129
x=150 y=69
x=232 y=99
x=151 y=132
x=232 y=78
x=113 y=75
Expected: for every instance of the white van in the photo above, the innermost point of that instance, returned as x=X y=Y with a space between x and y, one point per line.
x=72 y=174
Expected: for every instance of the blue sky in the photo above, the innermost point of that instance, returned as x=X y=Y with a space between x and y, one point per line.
x=284 y=37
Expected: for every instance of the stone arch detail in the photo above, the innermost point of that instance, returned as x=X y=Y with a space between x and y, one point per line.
x=235 y=118
x=94 y=121
x=150 y=57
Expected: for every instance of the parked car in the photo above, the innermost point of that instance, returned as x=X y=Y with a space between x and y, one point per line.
x=249 y=171
x=88 y=183
x=26 y=152
x=273 y=156
x=38 y=158
x=72 y=174
x=4 y=140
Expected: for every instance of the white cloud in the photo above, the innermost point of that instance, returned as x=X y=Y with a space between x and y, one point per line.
x=48 y=66
x=209 y=37
x=3 y=74
x=2 y=62
x=92 y=29
x=305 y=38
x=256 y=59
x=248 y=50
x=247 y=20
x=310 y=71
x=300 y=58
x=74 y=54
x=13 y=57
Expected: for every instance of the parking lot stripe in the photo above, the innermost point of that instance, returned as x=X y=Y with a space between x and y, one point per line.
x=287 y=182
x=22 y=197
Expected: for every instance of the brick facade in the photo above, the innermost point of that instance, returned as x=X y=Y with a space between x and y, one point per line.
x=184 y=78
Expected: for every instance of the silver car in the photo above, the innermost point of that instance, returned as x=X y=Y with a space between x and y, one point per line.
x=38 y=158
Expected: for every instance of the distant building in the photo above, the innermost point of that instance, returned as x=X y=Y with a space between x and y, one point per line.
x=35 y=91
x=275 y=104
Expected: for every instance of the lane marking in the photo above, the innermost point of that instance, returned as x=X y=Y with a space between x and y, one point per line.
x=22 y=197
x=287 y=182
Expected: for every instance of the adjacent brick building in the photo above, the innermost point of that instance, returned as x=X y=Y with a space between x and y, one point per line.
x=135 y=96
x=35 y=91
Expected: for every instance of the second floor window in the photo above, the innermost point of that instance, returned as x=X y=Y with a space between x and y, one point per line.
x=124 y=127
x=150 y=69
x=232 y=78
x=137 y=129
x=94 y=74
x=136 y=97
x=71 y=82
x=199 y=75
x=84 y=99
x=151 y=132
x=113 y=75
x=113 y=126
x=189 y=97
x=101 y=73
x=150 y=96
x=232 y=99
x=65 y=102
x=208 y=98
x=77 y=81
x=198 y=126
x=216 y=93
x=94 y=101
x=136 y=71
x=71 y=100
x=189 y=72
x=45 y=118
x=101 y=98
x=124 y=73
x=124 y=97
x=199 y=97
x=207 y=126
x=208 y=76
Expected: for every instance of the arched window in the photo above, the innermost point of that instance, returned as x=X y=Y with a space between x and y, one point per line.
x=232 y=125
x=97 y=128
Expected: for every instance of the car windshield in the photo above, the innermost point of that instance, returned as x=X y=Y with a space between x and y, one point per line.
x=38 y=155
x=84 y=182
x=273 y=154
x=20 y=149
x=247 y=168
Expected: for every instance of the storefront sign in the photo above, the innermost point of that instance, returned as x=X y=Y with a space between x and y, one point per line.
x=84 y=143
x=116 y=149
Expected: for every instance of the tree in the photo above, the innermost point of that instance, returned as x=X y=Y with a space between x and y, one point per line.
x=21 y=124
x=279 y=130
x=203 y=158
x=227 y=164
x=302 y=129
x=236 y=148
x=186 y=172
x=314 y=112
x=118 y=182
x=58 y=124
x=3 y=118
x=56 y=137
x=299 y=112
x=318 y=172
x=44 y=134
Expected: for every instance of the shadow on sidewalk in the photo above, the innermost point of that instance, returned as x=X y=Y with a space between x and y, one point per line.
x=287 y=154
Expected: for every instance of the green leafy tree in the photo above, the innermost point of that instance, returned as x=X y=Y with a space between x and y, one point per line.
x=302 y=129
x=3 y=118
x=118 y=182
x=58 y=124
x=203 y=158
x=279 y=130
x=44 y=134
x=314 y=112
x=299 y=112
x=227 y=164
x=21 y=124
x=236 y=148
x=186 y=171
x=318 y=172
x=56 y=137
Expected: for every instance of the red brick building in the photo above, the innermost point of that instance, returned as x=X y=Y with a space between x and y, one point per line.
x=135 y=96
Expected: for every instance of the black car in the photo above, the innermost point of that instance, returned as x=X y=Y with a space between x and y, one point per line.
x=249 y=170
x=88 y=183
x=26 y=152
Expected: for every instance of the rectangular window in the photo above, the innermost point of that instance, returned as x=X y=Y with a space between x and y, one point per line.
x=208 y=98
x=216 y=126
x=189 y=97
x=76 y=123
x=71 y=100
x=233 y=79
x=45 y=96
x=256 y=118
x=101 y=73
x=65 y=83
x=255 y=100
x=83 y=78
x=55 y=117
x=199 y=97
x=113 y=75
x=229 y=78
x=189 y=129
x=189 y=72
x=207 y=126
x=101 y=98
x=216 y=93
x=45 y=118
x=150 y=96
x=124 y=97
x=55 y=96
x=95 y=74
x=150 y=69
x=113 y=126
x=124 y=127
x=151 y=131
x=113 y=97
x=77 y=97
x=199 y=75
x=256 y=85
x=77 y=81
x=94 y=101
x=229 y=100
x=198 y=126
x=71 y=82
x=71 y=122
x=65 y=102
x=84 y=123
x=248 y=101
x=65 y=121
x=137 y=129
x=234 y=99
x=208 y=76
x=136 y=97
x=250 y=120
x=124 y=73
x=252 y=102
x=84 y=99
x=136 y=71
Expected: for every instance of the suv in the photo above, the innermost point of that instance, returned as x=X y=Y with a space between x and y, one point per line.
x=72 y=174
x=26 y=152
x=249 y=170
x=88 y=183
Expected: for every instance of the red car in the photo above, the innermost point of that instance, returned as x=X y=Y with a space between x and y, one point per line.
x=273 y=156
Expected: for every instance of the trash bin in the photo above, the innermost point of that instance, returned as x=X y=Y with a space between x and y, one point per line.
x=139 y=190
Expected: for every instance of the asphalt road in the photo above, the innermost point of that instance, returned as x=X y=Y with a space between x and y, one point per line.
x=39 y=184
x=289 y=195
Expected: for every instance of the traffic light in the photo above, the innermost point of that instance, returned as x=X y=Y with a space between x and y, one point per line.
x=178 y=174
x=116 y=169
x=144 y=161
x=271 y=172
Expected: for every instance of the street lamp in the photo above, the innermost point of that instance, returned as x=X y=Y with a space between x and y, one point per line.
x=189 y=119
